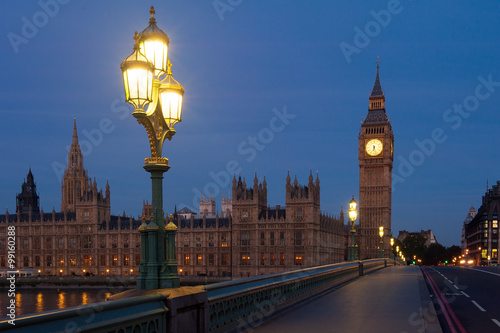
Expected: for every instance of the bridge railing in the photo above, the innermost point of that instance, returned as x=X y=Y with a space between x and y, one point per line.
x=137 y=314
x=245 y=303
x=229 y=306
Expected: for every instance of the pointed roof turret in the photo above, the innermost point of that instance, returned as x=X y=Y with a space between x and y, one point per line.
x=377 y=87
x=288 y=177
x=75 y=133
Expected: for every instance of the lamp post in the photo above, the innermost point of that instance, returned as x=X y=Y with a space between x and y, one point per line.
x=148 y=81
x=392 y=248
x=353 y=214
x=381 y=246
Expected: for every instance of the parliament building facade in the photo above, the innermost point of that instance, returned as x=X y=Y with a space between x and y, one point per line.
x=247 y=238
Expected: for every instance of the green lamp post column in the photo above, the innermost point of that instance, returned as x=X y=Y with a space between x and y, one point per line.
x=353 y=214
x=148 y=81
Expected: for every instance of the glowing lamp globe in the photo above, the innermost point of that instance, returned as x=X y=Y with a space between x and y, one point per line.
x=171 y=93
x=154 y=45
x=137 y=78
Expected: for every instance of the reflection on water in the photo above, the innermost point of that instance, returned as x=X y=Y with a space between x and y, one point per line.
x=61 y=301
x=39 y=300
x=85 y=298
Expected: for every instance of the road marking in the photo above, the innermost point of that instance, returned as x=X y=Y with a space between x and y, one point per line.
x=478 y=306
x=465 y=294
x=496 y=322
x=452 y=294
x=480 y=270
x=456 y=287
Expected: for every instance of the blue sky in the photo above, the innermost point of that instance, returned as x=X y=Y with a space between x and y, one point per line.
x=242 y=64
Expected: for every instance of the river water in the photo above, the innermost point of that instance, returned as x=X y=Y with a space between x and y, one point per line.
x=38 y=300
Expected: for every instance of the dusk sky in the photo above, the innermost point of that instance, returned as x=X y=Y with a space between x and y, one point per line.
x=294 y=75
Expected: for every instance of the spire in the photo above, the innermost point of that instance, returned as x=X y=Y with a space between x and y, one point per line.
x=75 y=134
x=377 y=88
x=288 y=177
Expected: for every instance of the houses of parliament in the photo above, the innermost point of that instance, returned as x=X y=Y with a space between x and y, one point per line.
x=248 y=238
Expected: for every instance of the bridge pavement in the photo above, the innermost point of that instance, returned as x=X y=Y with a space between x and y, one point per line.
x=393 y=299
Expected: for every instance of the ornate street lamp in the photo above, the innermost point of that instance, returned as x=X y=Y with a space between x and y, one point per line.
x=157 y=100
x=353 y=214
x=392 y=248
x=381 y=246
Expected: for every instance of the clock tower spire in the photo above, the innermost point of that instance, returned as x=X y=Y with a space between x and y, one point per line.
x=375 y=155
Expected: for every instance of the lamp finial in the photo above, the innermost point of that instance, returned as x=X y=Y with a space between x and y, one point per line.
x=152 y=12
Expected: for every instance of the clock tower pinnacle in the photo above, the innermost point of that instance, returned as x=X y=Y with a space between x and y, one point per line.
x=375 y=155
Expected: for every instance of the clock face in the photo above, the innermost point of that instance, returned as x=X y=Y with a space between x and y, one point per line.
x=374 y=147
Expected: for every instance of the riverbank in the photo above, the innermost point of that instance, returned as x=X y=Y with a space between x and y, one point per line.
x=114 y=282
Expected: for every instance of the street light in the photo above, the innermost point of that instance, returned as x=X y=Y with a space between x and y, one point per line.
x=157 y=100
x=381 y=247
x=353 y=214
x=392 y=248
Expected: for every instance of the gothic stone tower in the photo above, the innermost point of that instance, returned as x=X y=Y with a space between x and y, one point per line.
x=78 y=193
x=28 y=200
x=375 y=154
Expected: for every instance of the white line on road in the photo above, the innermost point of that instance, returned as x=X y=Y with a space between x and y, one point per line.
x=465 y=294
x=456 y=287
x=496 y=322
x=480 y=270
x=478 y=306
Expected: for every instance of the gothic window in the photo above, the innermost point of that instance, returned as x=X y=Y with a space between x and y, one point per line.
x=262 y=239
x=36 y=243
x=223 y=240
x=211 y=259
x=224 y=259
x=125 y=242
x=26 y=261
x=282 y=259
x=272 y=259
x=245 y=238
x=282 y=238
x=86 y=215
x=299 y=213
x=103 y=260
x=245 y=259
x=115 y=260
x=60 y=243
x=198 y=241
x=72 y=260
x=49 y=261
x=37 y=261
x=262 y=259
x=272 y=238
x=199 y=260
x=298 y=238
x=61 y=260
x=114 y=241
x=126 y=260
x=186 y=259
x=26 y=243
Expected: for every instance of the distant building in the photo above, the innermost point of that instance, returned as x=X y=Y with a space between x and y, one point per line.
x=250 y=238
x=375 y=157
x=247 y=237
x=429 y=236
x=481 y=233
x=470 y=215
x=82 y=239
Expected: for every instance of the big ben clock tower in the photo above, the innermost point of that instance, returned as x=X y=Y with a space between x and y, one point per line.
x=375 y=153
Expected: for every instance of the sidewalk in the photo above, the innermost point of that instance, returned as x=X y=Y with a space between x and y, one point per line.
x=393 y=299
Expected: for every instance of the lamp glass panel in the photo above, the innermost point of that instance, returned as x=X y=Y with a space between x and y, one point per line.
x=157 y=53
x=171 y=105
x=353 y=215
x=137 y=83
